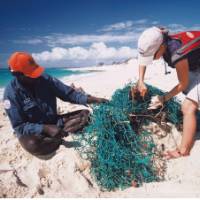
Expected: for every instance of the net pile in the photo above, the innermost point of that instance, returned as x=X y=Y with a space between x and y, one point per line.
x=121 y=152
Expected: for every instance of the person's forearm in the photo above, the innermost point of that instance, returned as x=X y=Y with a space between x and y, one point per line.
x=92 y=99
x=176 y=90
x=142 y=70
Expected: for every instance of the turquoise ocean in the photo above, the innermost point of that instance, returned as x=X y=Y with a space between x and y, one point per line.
x=5 y=75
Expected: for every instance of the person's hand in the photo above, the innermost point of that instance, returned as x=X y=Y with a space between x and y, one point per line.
x=156 y=102
x=175 y=154
x=142 y=88
x=76 y=122
x=51 y=130
x=92 y=99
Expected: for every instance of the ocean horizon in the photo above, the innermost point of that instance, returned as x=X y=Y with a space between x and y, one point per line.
x=6 y=76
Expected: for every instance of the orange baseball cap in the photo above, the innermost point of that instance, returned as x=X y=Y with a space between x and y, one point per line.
x=24 y=62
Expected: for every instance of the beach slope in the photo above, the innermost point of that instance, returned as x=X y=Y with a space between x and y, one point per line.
x=66 y=174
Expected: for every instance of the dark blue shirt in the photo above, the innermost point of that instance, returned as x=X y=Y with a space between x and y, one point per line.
x=28 y=112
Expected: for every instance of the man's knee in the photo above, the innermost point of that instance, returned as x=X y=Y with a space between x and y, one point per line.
x=30 y=143
x=39 y=145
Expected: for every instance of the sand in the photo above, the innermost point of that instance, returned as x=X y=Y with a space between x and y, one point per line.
x=67 y=175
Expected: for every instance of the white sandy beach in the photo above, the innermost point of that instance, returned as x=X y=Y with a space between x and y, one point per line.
x=67 y=175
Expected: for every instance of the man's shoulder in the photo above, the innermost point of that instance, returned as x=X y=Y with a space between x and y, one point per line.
x=46 y=77
x=10 y=88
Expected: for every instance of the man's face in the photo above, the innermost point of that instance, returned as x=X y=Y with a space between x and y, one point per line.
x=25 y=80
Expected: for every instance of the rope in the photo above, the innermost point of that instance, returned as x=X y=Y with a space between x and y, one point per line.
x=120 y=151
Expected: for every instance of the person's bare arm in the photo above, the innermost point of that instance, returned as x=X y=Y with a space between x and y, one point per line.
x=140 y=85
x=182 y=69
x=142 y=70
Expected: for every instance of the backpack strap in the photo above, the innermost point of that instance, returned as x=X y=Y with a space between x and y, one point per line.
x=183 y=48
x=180 y=52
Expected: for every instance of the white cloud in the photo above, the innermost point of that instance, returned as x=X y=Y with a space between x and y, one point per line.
x=140 y=21
x=117 y=26
x=127 y=25
x=33 y=41
x=111 y=34
x=55 y=40
x=195 y=27
x=126 y=32
x=67 y=39
x=180 y=27
x=176 y=27
x=112 y=42
x=97 y=52
x=132 y=29
x=155 y=23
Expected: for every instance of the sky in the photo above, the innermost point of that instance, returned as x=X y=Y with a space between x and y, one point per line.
x=71 y=33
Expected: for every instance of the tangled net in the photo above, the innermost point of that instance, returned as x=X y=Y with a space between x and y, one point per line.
x=122 y=153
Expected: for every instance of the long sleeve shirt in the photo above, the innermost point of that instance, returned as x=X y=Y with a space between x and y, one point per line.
x=28 y=112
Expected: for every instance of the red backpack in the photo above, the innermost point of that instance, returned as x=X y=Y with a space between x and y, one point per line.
x=190 y=41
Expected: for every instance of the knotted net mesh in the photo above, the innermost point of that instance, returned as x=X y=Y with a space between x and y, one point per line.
x=122 y=153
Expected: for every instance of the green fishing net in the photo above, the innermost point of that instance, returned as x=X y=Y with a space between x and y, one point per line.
x=120 y=151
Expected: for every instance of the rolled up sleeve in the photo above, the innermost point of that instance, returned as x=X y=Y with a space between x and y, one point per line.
x=28 y=129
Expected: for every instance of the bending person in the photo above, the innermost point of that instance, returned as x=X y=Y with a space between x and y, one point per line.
x=182 y=52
